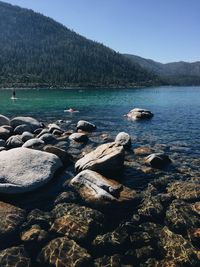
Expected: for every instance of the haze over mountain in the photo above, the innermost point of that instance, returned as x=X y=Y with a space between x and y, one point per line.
x=179 y=73
x=37 y=51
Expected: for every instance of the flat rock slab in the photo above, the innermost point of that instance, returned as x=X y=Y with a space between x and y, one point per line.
x=23 y=170
x=98 y=190
x=104 y=159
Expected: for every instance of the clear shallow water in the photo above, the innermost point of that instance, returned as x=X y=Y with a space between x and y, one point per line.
x=176 y=121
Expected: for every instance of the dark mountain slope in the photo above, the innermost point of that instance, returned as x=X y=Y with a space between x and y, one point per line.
x=36 y=50
x=180 y=73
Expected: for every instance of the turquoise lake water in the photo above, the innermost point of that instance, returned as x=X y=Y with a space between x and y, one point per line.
x=176 y=122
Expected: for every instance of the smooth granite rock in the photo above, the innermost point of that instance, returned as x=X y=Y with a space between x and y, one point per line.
x=95 y=189
x=14 y=141
x=104 y=159
x=48 y=138
x=123 y=139
x=85 y=126
x=54 y=126
x=158 y=160
x=4 y=133
x=139 y=114
x=26 y=136
x=79 y=137
x=14 y=257
x=4 y=120
x=35 y=142
x=33 y=123
x=23 y=169
x=20 y=129
x=64 y=252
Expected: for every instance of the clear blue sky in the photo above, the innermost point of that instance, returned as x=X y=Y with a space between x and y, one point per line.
x=164 y=30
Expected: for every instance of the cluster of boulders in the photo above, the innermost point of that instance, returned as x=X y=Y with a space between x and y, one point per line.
x=84 y=209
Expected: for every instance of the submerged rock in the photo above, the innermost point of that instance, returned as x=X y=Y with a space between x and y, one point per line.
x=98 y=190
x=4 y=120
x=104 y=159
x=14 y=256
x=85 y=126
x=23 y=169
x=139 y=114
x=33 y=123
x=158 y=160
x=64 y=252
x=11 y=219
x=123 y=139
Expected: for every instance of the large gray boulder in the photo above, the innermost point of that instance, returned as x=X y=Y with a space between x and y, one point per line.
x=104 y=159
x=139 y=114
x=4 y=120
x=33 y=123
x=23 y=170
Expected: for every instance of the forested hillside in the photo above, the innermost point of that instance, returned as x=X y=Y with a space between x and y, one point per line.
x=37 y=51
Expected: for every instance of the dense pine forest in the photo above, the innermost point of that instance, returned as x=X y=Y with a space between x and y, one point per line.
x=37 y=51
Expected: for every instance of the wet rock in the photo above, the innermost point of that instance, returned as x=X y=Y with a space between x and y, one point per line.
x=84 y=213
x=33 y=123
x=48 y=138
x=59 y=152
x=85 y=126
x=53 y=126
x=151 y=208
x=14 y=141
x=123 y=139
x=4 y=133
x=112 y=242
x=139 y=255
x=67 y=197
x=158 y=160
x=111 y=261
x=14 y=257
x=143 y=151
x=26 y=136
x=73 y=227
x=2 y=143
x=139 y=114
x=175 y=248
x=33 y=143
x=4 y=120
x=79 y=137
x=180 y=216
x=98 y=190
x=64 y=252
x=28 y=170
x=104 y=159
x=185 y=190
x=22 y=128
x=11 y=219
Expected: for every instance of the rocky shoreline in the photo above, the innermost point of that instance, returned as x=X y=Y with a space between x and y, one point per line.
x=68 y=198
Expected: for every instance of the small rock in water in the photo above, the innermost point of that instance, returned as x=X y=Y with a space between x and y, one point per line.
x=158 y=160
x=79 y=137
x=85 y=126
x=139 y=114
x=4 y=120
x=104 y=159
x=22 y=128
x=123 y=139
x=32 y=143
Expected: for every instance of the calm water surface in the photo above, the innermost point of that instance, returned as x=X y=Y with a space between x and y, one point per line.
x=176 y=122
